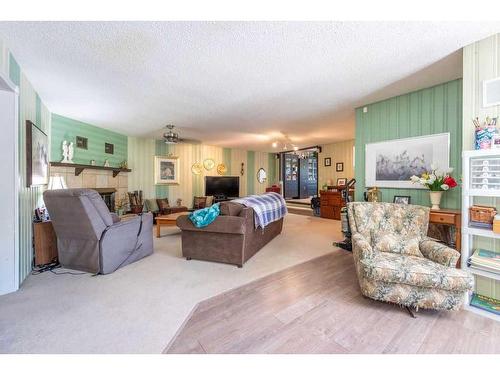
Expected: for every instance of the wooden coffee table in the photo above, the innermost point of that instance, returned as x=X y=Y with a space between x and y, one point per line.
x=167 y=221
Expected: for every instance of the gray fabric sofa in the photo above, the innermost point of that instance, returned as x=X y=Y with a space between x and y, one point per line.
x=231 y=238
x=90 y=238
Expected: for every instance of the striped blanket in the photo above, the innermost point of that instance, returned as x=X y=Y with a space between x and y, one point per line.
x=268 y=207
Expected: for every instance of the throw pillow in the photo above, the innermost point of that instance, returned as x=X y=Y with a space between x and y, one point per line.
x=199 y=202
x=151 y=205
x=162 y=204
x=210 y=200
x=230 y=209
x=392 y=243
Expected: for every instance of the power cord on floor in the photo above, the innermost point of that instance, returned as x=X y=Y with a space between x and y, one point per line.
x=50 y=267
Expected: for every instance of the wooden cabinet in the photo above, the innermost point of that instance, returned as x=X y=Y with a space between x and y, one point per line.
x=452 y=218
x=45 y=242
x=331 y=203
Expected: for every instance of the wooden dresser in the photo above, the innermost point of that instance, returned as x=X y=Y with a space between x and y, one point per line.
x=449 y=217
x=331 y=203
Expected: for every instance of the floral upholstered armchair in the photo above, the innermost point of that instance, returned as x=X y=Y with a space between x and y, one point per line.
x=396 y=262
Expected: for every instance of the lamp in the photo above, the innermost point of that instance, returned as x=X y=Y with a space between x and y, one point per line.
x=57 y=182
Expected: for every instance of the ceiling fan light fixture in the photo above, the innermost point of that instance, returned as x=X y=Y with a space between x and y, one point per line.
x=171 y=136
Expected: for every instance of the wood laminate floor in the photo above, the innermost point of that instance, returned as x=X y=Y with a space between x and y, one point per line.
x=317 y=307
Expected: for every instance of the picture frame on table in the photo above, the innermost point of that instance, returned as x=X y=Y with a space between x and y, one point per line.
x=341 y=181
x=402 y=199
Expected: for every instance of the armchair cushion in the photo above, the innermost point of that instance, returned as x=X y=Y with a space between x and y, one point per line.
x=162 y=204
x=393 y=243
x=199 y=202
x=439 y=253
x=415 y=271
x=362 y=247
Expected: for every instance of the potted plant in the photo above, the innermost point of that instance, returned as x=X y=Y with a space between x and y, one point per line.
x=437 y=181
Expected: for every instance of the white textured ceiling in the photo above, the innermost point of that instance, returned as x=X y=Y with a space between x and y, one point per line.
x=236 y=84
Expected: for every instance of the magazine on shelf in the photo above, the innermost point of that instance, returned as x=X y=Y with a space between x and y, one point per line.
x=486 y=303
x=485 y=258
x=484 y=268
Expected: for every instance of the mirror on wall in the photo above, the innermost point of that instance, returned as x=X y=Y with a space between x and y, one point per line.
x=261 y=175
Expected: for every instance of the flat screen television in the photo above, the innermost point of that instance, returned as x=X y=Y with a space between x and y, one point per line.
x=222 y=186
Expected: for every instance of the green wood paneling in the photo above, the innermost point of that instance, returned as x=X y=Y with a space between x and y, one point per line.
x=64 y=128
x=250 y=172
x=14 y=70
x=38 y=110
x=226 y=159
x=161 y=150
x=271 y=173
x=433 y=110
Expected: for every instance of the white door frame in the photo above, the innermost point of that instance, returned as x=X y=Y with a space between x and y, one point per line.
x=9 y=256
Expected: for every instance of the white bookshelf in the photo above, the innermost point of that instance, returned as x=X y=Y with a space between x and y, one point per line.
x=478 y=182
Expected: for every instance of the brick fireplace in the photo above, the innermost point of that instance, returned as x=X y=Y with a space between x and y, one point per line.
x=112 y=189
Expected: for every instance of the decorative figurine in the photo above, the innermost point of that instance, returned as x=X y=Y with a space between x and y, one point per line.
x=179 y=202
x=106 y=163
x=92 y=162
x=65 y=152
x=71 y=152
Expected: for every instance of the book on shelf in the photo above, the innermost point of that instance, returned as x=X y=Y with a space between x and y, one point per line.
x=486 y=260
x=489 y=304
x=480 y=225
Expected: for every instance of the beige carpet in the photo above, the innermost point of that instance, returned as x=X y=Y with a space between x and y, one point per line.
x=139 y=308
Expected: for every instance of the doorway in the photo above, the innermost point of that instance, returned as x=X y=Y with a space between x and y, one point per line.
x=9 y=252
x=300 y=175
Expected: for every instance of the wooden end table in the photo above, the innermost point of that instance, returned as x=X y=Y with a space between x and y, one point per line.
x=167 y=221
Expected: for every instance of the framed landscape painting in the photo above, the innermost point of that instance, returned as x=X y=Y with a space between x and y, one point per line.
x=166 y=170
x=37 y=156
x=390 y=164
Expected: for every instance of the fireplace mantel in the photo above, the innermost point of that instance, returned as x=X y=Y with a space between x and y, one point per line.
x=79 y=168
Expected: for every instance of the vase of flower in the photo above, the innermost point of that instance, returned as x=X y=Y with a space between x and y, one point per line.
x=435 y=199
x=437 y=181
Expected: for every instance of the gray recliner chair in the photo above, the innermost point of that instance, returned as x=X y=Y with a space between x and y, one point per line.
x=90 y=238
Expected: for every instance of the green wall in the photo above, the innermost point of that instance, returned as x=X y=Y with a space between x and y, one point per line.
x=64 y=128
x=433 y=110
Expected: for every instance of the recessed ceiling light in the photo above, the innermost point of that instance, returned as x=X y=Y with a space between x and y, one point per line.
x=295 y=148
x=275 y=144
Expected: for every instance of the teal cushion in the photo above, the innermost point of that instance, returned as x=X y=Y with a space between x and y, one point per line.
x=201 y=218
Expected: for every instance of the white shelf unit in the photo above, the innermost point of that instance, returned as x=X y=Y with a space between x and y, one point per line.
x=480 y=179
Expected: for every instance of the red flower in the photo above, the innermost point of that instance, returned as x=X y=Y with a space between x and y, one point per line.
x=450 y=181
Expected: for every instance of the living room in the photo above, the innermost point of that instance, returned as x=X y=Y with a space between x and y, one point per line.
x=197 y=187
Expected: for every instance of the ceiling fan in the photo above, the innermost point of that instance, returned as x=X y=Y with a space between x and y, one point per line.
x=172 y=137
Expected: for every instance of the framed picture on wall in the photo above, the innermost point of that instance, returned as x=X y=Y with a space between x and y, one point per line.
x=328 y=162
x=339 y=167
x=109 y=148
x=166 y=170
x=390 y=164
x=37 y=156
x=82 y=142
